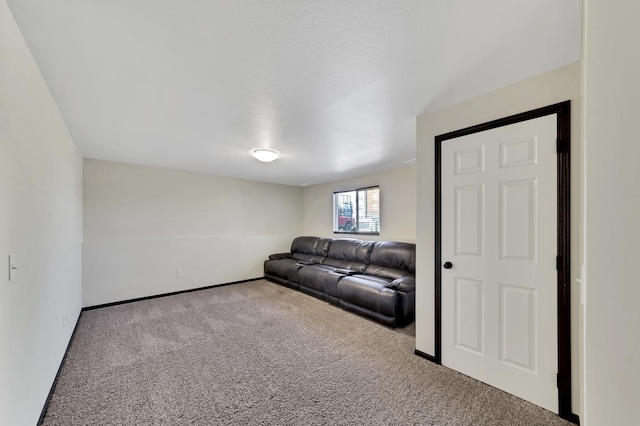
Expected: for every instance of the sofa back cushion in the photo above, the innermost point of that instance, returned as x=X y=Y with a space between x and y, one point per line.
x=349 y=254
x=392 y=260
x=310 y=249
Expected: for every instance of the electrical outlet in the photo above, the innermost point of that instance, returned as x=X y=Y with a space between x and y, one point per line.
x=179 y=273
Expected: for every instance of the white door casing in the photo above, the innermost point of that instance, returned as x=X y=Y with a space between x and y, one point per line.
x=499 y=230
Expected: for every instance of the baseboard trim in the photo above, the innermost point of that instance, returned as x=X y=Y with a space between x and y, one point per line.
x=426 y=356
x=573 y=418
x=173 y=293
x=43 y=413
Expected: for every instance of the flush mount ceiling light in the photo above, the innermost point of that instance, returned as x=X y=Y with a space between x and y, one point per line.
x=265 y=155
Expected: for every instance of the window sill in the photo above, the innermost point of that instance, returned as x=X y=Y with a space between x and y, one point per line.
x=356 y=233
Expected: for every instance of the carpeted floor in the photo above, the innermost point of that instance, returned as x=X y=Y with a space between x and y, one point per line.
x=260 y=354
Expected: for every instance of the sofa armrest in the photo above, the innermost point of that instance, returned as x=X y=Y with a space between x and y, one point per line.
x=278 y=256
x=405 y=284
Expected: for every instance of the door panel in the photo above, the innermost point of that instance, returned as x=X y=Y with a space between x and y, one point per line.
x=469 y=315
x=469 y=220
x=518 y=219
x=518 y=319
x=499 y=230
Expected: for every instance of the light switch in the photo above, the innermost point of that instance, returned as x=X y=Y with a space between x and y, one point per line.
x=12 y=267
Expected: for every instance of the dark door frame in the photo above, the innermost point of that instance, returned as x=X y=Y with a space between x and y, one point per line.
x=563 y=111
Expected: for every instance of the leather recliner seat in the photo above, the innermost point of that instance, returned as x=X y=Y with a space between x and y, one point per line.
x=283 y=267
x=385 y=291
x=373 y=279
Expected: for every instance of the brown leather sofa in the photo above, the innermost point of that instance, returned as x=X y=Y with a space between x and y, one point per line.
x=373 y=279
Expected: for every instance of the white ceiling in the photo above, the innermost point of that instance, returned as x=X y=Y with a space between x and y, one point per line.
x=334 y=85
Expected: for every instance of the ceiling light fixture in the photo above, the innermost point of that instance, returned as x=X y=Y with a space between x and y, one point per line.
x=265 y=155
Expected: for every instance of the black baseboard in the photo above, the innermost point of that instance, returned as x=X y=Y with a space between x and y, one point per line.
x=43 y=413
x=573 y=418
x=173 y=293
x=426 y=356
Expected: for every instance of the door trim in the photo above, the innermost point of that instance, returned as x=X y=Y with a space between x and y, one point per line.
x=563 y=111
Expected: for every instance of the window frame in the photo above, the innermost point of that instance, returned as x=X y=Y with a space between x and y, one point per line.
x=355 y=211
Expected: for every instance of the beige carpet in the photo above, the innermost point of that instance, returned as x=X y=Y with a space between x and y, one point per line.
x=260 y=354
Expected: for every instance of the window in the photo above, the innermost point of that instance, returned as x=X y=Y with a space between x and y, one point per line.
x=357 y=211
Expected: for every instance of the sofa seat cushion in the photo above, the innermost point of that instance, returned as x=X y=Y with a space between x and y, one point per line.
x=369 y=292
x=321 y=278
x=282 y=268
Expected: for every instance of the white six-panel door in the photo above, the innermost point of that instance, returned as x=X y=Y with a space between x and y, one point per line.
x=499 y=232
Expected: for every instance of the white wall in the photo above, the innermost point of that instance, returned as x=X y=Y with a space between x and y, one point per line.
x=397 y=205
x=142 y=224
x=41 y=224
x=546 y=89
x=612 y=149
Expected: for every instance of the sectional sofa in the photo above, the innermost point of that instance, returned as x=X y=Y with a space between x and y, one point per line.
x=373 y=279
